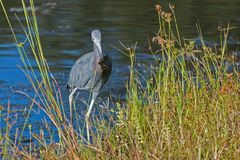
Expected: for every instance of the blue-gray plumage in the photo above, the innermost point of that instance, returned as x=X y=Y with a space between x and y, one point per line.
x=90 y=72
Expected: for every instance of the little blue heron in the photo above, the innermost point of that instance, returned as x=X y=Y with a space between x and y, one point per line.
x=90 y=72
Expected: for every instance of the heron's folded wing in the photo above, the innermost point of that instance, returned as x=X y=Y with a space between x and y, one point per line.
x=81 y=72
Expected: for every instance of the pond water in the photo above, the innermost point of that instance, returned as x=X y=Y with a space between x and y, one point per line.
x=65 y=28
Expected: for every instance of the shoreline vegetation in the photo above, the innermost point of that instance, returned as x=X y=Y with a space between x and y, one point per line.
x=187 y=109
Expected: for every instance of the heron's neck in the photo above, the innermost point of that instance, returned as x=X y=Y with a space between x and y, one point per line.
x=97 y=50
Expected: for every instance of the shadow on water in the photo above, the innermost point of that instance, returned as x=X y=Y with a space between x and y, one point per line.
x=65 y=28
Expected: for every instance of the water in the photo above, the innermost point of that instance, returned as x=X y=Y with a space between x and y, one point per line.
x=65 y=28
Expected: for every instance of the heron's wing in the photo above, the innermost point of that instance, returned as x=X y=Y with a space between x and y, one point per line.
x=81 y=72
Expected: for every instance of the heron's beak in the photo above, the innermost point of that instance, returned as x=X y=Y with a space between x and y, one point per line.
x=98 y=44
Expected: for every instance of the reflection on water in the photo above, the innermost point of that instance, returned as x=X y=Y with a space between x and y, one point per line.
x=65 y=28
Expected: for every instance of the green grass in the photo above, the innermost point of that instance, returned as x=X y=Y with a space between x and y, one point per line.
x=177 y=115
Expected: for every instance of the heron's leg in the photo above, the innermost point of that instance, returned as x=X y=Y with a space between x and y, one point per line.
x=87 y=118
x=94 y=95
x=70 y=103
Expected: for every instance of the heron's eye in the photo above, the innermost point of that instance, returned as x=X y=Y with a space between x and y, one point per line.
x=93 y=39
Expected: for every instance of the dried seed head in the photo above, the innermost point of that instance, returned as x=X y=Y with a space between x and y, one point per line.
x=163 y=13
x=220 y=28
x=171 y=6
x=159 y=40
x=167 y=16
x=158 y=8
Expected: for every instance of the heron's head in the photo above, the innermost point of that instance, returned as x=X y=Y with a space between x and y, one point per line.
x=96 y=38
